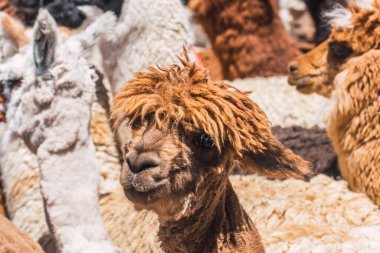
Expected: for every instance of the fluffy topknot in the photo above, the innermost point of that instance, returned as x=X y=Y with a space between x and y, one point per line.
x=184 y=96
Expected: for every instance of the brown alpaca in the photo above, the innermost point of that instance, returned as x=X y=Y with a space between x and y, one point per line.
x=186 y=133
x=346 y=67
x=12 y=240
x=356 y=31
x=247 y=37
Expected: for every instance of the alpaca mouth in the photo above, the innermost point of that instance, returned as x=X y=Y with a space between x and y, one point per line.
x=144 y=193
x=303 y=85
x=143 y=187
x=305 y=88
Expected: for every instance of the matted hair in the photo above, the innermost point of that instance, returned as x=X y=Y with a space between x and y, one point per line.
x=184 y=96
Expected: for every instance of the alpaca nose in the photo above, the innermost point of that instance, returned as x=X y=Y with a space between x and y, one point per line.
x=292 y=68
x=143 y=161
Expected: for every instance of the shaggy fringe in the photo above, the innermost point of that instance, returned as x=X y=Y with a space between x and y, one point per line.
x=184 y=97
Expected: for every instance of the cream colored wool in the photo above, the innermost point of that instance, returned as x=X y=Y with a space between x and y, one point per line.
x=20 y=177
x=19 y=169
x=322 y=215
x=20 y=173
x=129 y=230
x=148 y=33
x=283 y=104
x=20 y=180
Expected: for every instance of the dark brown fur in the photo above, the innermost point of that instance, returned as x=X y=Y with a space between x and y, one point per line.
x=247 y=36
x=169 y=169
x=313 y=145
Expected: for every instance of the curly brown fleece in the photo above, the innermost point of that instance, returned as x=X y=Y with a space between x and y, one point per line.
x=352 y=80
x=247 y=36
x=354 y=124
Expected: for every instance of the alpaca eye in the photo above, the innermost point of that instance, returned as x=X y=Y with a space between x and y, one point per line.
x=204 y=141
x=136 y=125
x=340 y=51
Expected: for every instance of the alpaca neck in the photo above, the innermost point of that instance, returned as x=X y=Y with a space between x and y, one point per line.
x=356 y=107
x=220 y=225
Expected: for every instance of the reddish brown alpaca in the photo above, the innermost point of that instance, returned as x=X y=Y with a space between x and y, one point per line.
x=187 y=132
x=247 y=37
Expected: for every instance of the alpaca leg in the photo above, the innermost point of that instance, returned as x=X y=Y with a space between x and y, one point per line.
x=70 y=191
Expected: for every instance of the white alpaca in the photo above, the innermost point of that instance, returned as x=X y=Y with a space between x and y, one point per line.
x=52 y=113
x=148 y=33
x=21 y=178
x=19 y=169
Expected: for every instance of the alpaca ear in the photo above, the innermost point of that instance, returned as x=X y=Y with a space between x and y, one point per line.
x=102 y=28
x=276 y=161
x=45 y=40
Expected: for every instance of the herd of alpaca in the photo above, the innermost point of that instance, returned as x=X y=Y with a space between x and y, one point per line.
x=20 y=170
x=180 y=133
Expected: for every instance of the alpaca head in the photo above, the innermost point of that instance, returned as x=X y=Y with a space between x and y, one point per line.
x=66 y=13
x=185 y=134
x=355 y=31
x=45 y=71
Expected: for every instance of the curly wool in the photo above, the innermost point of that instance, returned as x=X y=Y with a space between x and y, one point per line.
x=21 y=177
x=353 y=123
x=187 y=99
x=51 y=112
x=297 y=216
x=148 y=33
x=247 y=37
x=283 y=105
x=19 y=168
